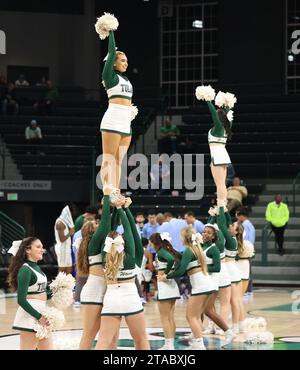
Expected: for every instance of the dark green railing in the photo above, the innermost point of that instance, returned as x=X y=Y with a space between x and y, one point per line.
x=296 y=188
x=266 y=232
x=10 y=230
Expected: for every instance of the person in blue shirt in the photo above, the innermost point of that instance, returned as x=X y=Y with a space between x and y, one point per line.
x=173 y=226
x=242 y=217
x=140 y=222
x=190 y=218
x=150 y=228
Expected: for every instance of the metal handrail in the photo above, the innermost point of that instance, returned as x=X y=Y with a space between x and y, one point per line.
x=10 y=230
x=264 y=244
x=295 y=188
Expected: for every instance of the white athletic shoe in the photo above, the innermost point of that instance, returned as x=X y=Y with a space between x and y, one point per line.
x=235 y=329
x=166 y=348
x=210 y=329
x=76 y=305
x=242 y=327
x=197 y=345
x=219 y=331
x=187 y=336
x=229 y=337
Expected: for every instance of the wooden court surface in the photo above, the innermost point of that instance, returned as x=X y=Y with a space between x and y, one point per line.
x=280 y=318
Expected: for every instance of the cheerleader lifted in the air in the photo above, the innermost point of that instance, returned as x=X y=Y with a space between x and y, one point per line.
x=218 y=136
x=116 y=122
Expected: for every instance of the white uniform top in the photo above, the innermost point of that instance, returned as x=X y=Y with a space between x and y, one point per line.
x=41 y=282
x=123 y=89
x=192 y=265
x=62 y=249
x=216 y=139
x=209 y=261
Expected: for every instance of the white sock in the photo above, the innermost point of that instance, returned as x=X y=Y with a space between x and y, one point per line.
x=169 y=342
x=235 y=326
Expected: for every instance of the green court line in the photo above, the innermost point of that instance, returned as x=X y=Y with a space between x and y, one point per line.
x=284 y=307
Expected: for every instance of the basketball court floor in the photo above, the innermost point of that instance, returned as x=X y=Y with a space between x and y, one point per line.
x=279 y=306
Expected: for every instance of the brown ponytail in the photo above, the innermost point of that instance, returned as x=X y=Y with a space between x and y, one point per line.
x=159 y=243
x=82 y=263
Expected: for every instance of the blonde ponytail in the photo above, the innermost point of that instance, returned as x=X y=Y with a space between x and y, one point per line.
x=195 y=247
x=113 y=260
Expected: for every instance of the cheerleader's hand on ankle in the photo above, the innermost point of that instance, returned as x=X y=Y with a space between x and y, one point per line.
x=212 y=211
x=128 y=202
x=120 y=202
x=162 y=277
x=107 y=189
x=43 y=321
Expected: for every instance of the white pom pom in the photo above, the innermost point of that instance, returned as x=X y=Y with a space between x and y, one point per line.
x=62 y=288
x=220 y=99
x=134 y=112
x=62 y=281
x=265 y=337
x=230 y=100
x=107 y=22
x=206 y=93
x=63 y=299
x=56 y=320
x=261 y=324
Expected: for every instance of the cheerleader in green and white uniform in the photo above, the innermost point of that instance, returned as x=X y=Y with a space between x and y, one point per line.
x=166 y=258
x=193 y=263
x=213 y=261
x=89 y=262
x=218 y=136
x=116 y=122
x=233 y=234
x=120 y=257
x=224 y=277
x=26 y=277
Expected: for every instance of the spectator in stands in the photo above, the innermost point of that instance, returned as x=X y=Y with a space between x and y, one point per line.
x=277 y=214
x=9 y=104
x=33 y=134
x=190 y=218
x=90 y=212
x=140 y=221
x=230 y=174
x=150 y=228
x=249 y=234
x=173 y=226
x=160 y=219
x=21 y=82
x=3 y=81
x=45 y=106
x=42 y=82
x=169 y=133
x=160 y=173
x=235 y=194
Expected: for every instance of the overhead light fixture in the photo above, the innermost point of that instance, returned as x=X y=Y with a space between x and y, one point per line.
x=198 y=24
x=291 y=58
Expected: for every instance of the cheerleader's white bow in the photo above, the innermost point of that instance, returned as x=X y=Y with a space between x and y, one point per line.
x=14 y=247
x=118 y=242
x=214 y=226
x=166 y=236
x=197 y=238
x=230 y=116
